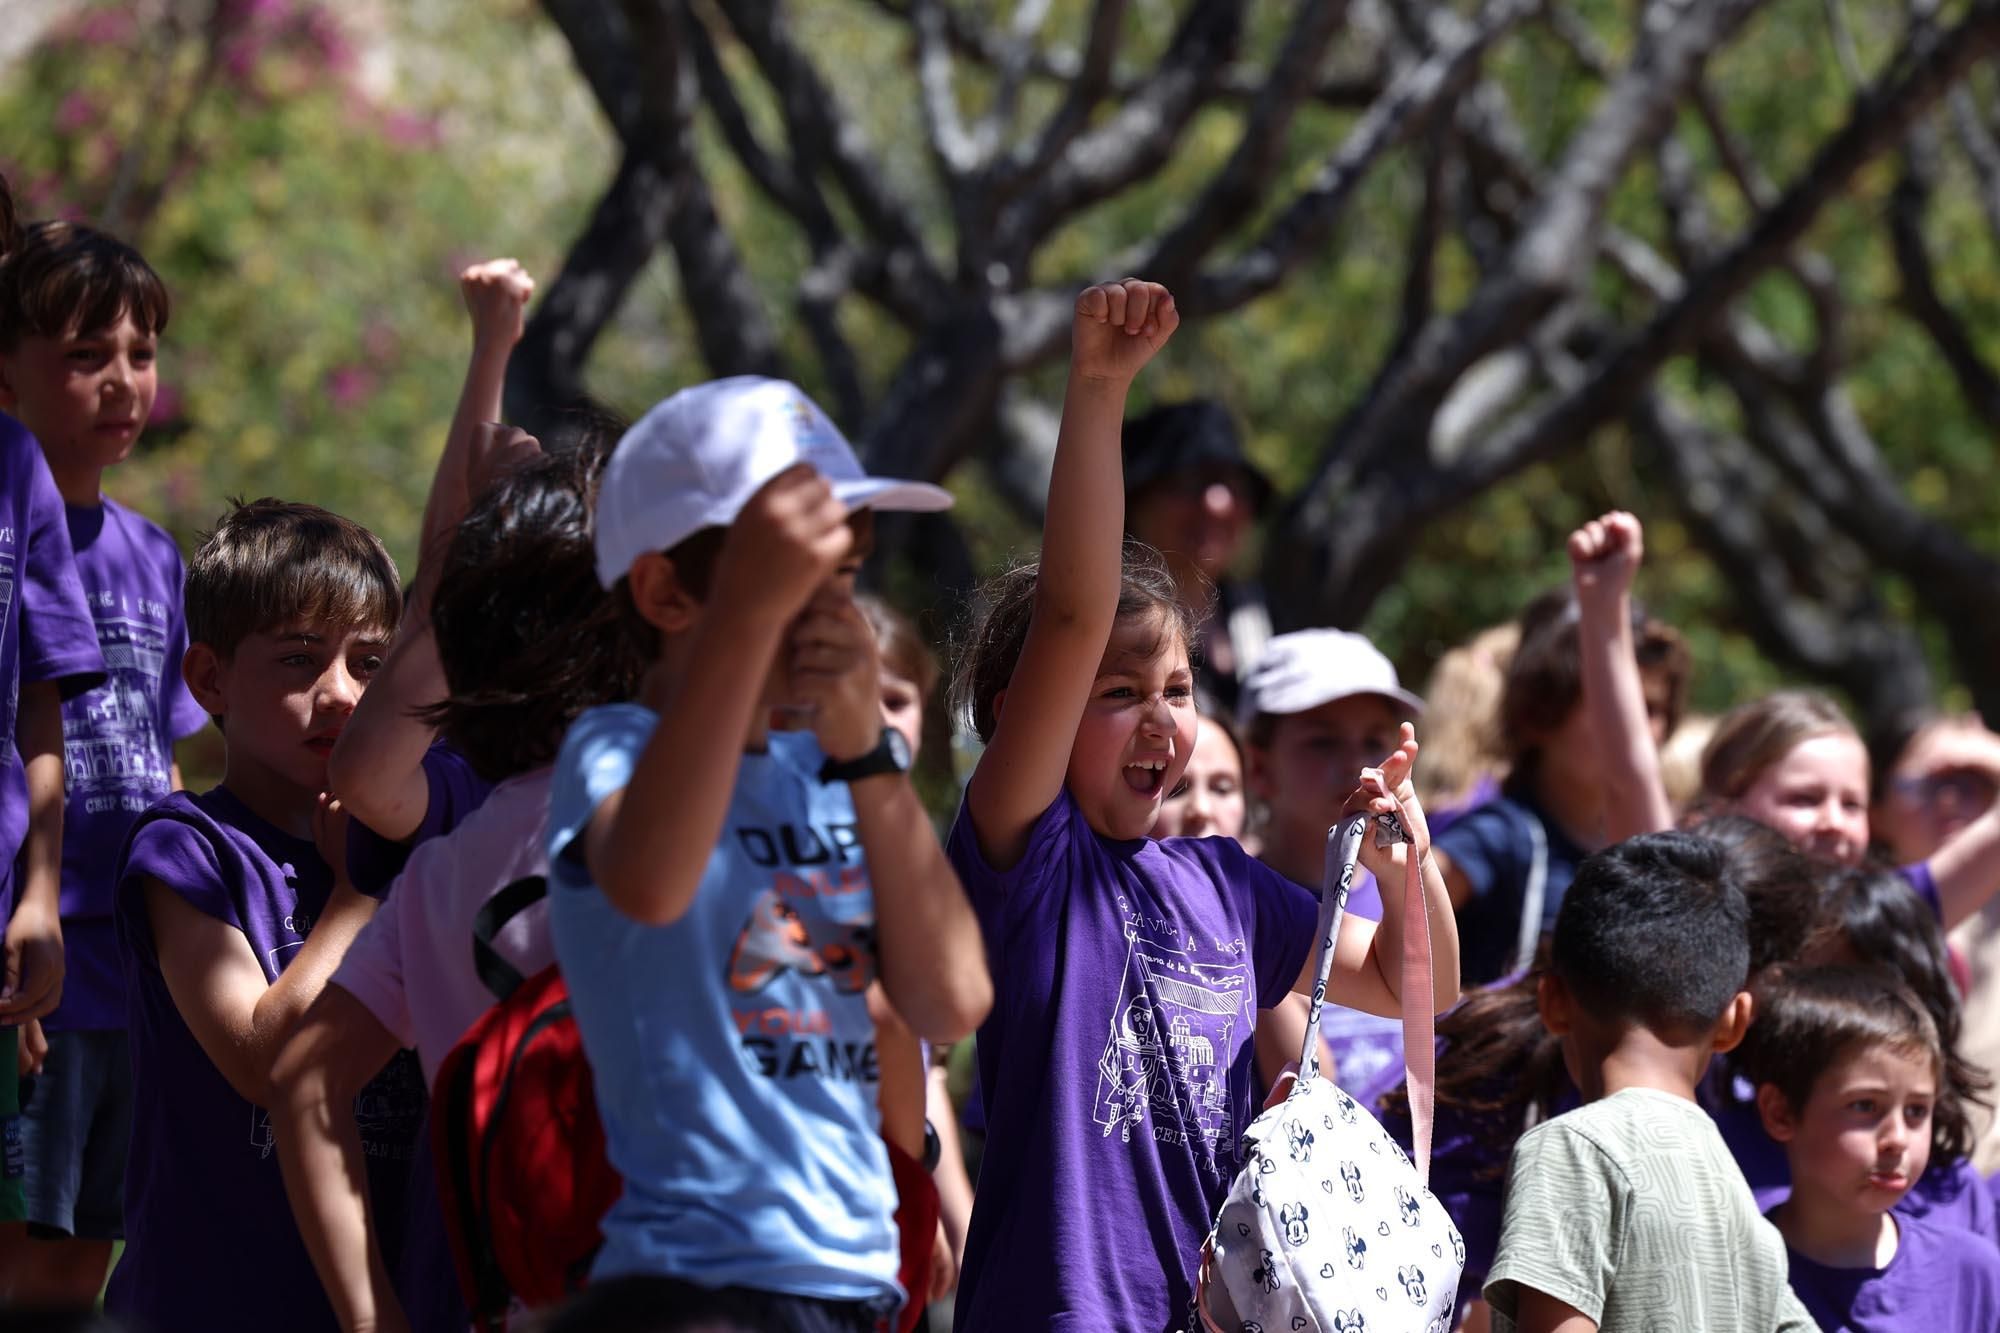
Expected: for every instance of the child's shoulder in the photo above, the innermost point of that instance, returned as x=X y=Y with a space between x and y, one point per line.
x=146 y=539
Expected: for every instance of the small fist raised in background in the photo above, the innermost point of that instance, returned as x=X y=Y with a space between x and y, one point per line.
x=1604 y=554
x=1118 y=328
x=496 y=296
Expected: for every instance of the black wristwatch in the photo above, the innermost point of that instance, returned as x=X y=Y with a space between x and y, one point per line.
x=890 y=755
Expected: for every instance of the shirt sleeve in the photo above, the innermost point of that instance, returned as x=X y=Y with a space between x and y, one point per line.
x=1003 y=899
x=58 y=637
x=1924 y=884
x=1484 y=847
x=597 y=759
x=1564 y=1209
x=1793 y=1317
x=187 y=861
x=372 y=971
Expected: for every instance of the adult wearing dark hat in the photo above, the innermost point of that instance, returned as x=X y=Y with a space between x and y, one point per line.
x=1191 y=492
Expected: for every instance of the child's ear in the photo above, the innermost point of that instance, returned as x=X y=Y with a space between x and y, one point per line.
x=1735 y=1022
x=659 y=595
x=1776 y=1113
x=203 y=668
x=1552 y=999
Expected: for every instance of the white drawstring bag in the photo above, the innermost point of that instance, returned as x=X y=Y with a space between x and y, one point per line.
x=1329 y=1226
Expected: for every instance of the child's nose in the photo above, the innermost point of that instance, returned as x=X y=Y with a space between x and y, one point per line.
x=339 y=690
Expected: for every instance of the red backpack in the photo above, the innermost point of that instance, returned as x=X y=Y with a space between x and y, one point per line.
x=521 y=1167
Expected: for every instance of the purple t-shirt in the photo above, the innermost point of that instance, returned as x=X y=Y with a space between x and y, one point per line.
x=209 y=1238
x=1940 y=1278
x=1117 y=1065
x=45 y=629
x=118 y=740
x=373 y=861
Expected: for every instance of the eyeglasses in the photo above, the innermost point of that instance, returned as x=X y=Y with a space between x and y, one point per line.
x=1965 y=788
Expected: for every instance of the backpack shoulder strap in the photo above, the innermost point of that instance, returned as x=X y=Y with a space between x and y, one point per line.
x=495 y=972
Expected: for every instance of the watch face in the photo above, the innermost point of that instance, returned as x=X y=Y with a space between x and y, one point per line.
x=899 y=748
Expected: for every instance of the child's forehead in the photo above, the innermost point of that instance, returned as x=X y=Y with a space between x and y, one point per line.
x=1881 y=1064
x=322 y=631
x=1150 y=641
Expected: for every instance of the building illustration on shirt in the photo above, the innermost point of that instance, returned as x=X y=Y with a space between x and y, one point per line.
x=1165 y=1066
x=112 y=745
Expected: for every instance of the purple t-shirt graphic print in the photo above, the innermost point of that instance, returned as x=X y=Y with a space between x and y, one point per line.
x=210 y=1239
x=1116 y=1065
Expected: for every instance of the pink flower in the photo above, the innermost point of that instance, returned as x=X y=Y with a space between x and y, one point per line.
x=349 y=387
x=75 y=112
x=168 y=405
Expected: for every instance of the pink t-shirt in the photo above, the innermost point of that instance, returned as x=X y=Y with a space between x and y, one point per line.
x=412 y=964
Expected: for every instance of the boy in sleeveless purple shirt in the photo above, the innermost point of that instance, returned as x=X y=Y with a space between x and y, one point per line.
x=231 y=912
x=80 y=320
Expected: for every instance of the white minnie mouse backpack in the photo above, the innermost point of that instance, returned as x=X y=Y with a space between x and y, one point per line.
x=1329 y=1226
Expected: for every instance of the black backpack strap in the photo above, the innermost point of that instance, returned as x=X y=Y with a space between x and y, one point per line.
x=494 y=972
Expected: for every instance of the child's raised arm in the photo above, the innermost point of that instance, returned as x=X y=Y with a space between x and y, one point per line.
x=1966 y=868
x=377 y=765
x=1117 y=329
x=1604 y=556
x=1368 y=957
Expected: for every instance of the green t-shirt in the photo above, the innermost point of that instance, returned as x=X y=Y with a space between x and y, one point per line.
x=1631 y=1210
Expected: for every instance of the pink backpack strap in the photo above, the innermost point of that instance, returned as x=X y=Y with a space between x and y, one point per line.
x=1419 y=1025
x=1343 y=847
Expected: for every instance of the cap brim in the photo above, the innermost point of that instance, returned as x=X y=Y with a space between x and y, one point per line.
x=917 y=497
x=1304 y=700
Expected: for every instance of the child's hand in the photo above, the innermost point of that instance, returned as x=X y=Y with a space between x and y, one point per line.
x=1604 y=555
x=496 y=296
x=33 y=1051
x=33 y=982
x=1118 y=327
x=1387 y=790
x=785 y=543
x=330 y=820
x=833 y=671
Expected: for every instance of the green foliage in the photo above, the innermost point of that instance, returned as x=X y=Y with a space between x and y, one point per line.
x=313 y=210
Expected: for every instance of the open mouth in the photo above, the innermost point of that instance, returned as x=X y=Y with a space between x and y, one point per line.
x=1146 y=776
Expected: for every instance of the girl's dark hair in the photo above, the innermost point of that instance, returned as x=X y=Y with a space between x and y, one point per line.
x=1544 y=680
x=1504 y=1068
x=1782 y=884
x=1882 y=922
x=527 y=636
x=987 y=661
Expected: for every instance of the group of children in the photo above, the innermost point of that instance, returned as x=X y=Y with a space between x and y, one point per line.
x=1698 y=1068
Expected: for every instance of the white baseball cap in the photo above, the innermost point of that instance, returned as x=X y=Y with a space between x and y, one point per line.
x=698 y=456
x=1310 y=667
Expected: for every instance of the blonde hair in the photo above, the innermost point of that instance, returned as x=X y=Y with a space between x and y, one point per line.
x=1751 y=737
x=1680 y=759
x=1461 y=734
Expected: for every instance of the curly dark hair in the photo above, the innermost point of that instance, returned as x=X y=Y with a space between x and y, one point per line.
x=527 y=636
x=989 y=654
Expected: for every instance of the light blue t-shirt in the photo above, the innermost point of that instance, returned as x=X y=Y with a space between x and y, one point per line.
x=733 y=1053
